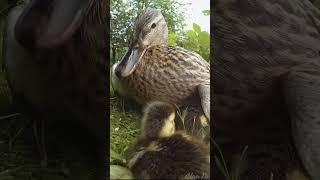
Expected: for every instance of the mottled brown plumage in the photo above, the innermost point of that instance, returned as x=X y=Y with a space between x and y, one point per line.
x=167 y=74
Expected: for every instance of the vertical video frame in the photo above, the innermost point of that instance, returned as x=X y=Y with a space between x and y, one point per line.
x=160 y=89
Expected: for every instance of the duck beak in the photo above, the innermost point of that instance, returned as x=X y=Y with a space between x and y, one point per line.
x=129 y=61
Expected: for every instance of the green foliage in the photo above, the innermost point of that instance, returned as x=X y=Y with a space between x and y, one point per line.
x=124 y=128
x=196 y=28
x=197 y=41
x=121 y=20
x=172 y=10
x=194 y=39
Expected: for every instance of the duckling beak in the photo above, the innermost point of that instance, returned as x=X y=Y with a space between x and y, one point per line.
x=129 y=61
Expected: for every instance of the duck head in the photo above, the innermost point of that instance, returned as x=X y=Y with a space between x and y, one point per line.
x=150 y=29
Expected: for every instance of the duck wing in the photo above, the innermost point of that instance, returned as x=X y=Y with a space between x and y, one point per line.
x=201 y=68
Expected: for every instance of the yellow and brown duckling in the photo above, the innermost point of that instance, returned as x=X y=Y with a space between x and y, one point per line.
x=158 y=120
x=163 y=153
x=152 y=71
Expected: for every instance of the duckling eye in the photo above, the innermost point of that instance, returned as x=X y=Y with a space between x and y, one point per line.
x=153 y=25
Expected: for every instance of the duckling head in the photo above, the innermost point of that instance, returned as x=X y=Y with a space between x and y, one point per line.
x=158 y=120
x=150 y=29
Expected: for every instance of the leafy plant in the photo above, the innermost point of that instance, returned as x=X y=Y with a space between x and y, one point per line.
x=197 y=41
x=115 y=156
x=172 y=39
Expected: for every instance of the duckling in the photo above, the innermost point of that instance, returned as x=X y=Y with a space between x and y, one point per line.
x=152 y=71
x=162 y=152
x=158 y=120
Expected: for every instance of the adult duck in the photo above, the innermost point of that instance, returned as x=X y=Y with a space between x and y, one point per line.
x=151 y=70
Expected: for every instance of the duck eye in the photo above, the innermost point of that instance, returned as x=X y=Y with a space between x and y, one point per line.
x=153 y=25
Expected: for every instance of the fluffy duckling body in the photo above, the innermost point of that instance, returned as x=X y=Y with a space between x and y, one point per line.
x=152 y=71
x=164 y=153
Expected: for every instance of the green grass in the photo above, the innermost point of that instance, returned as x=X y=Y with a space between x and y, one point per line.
x=239 y=164
x=124 y=128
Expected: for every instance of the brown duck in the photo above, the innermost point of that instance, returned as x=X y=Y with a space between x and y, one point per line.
x=151 y=70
